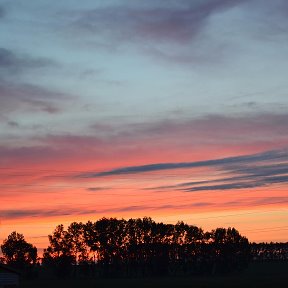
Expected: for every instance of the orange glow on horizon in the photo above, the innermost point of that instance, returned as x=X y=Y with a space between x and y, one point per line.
x=43 y=198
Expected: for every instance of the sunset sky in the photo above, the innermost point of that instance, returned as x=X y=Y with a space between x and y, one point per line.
x=177 y=110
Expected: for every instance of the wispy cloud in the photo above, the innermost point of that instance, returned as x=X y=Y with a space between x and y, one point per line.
x=164 y=29
x=246 y=175
x=176 y=22
x=2 y=12
x=271 y=17
x=217 y=127
x=246 y=159
x=241 y=172
x=17 y=95
x=23 y=213
x=74 y=211
x=12 y=63
x=177 y=31
x=151 y=143
x=95 y=189
x=250 y=172
x=27 y=97
x=251 y=132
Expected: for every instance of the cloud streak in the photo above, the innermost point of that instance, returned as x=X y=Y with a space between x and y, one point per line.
x=250 y=175
x=163 y=29
x=176 y=22
x=177 y=32
x=244 y=172
x=154 y=143
x=72 y=211
x=27 y=97
x=2 y=12
x=246 y=159
x=17 y=95
x=12 y=63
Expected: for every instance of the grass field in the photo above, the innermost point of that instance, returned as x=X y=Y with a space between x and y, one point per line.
x=262 y=275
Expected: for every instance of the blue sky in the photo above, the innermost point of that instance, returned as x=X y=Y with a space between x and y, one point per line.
x=104 y=60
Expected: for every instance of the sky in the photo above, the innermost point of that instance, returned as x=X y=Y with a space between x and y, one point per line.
x=175 y=110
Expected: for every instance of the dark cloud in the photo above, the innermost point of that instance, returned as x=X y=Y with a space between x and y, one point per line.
x=12 y=63
x=169 y=22
x=269 y=200
x=262 y=170
x=246 y=159
x=13 y=124
x=95 y=189
x=181 y=32
x=10 y=155
x=14 y=94
x=229 y=186
x=248 y=171
x=15 y=214
x=26 y=97
x=216 y=130
x=230 y=204
x=155 y=28
x=162 y=207
x=63 y=211
x=251 y=176
x=270 y=18
x=2 y=12
x=276 y=179
x=133 y=208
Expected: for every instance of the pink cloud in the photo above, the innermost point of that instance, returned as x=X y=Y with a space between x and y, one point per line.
x=162 y=141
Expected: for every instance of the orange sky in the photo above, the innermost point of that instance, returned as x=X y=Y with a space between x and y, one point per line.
x=51 y=197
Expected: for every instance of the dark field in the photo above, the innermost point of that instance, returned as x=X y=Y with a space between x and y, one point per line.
x=270 y=274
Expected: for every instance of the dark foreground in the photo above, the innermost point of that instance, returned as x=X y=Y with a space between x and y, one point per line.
x=269 y=274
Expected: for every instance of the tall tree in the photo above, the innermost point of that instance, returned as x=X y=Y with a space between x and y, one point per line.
x=17 y=252
x=59 y=254
x=143 y=247
x=75 y=236
x=230 y=250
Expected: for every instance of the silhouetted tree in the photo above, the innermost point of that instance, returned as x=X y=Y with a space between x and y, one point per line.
x=269 y=251
x=106 y=238
x=141 y=247
x=60 y=253
x=230 y=250
x=19 y=254
x=77 y=245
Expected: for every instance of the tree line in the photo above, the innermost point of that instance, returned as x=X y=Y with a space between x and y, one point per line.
x=112 y=247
